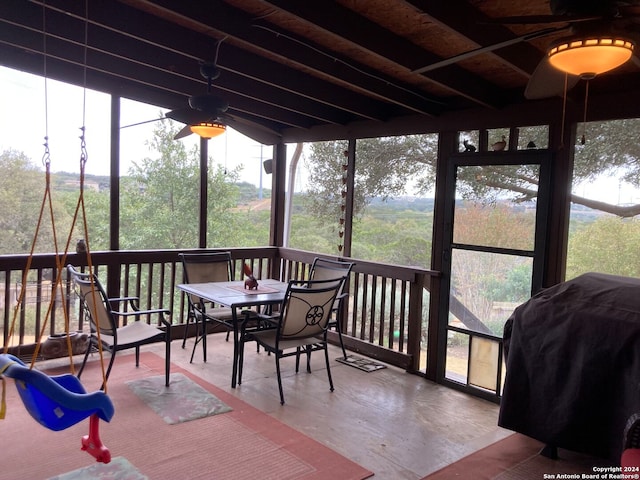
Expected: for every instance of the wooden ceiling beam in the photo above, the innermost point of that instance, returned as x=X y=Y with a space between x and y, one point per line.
x=369 y=36
x=151 y=49
x=462 y=19
x=122 y=70
x=259 y=34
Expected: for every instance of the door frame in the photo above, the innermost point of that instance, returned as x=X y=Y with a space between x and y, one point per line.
x=543 y=158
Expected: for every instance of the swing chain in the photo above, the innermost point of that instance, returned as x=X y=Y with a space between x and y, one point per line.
x=46 y=157
x=83 y=148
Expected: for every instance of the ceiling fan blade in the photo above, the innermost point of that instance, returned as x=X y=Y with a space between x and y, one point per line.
x=547 y=81
x=534 y=19
x=184 y=132
x=489 y=48
x=629 y=10
x=190 y=116
x=260 y=133
x=142 y=122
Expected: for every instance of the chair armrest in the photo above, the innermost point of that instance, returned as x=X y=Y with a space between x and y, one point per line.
x=271 y=319
x=139 y=313
x=340 y=298
x=133 y=301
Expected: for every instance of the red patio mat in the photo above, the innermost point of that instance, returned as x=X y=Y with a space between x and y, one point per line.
x=244 y=443
x=517 y=458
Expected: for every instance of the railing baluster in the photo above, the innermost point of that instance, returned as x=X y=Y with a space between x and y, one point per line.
x=150 y=289
x=354 y=314
x=403 y=318
x=378 y=305
x=392 y=314
x=373 y=301
x=383 y=305
x=6 y=324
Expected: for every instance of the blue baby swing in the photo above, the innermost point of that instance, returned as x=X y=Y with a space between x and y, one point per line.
x=58 y=402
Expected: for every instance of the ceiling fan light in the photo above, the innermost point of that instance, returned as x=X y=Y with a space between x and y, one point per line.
x=208 y=129
x=590 y=56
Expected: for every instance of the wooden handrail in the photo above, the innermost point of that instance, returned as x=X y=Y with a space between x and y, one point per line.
x=386 y=320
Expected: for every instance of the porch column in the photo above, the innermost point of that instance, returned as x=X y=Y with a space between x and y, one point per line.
x=349 y=202
x=114 y=192
x=278 y=192
x=113 y=272
x=204 y=174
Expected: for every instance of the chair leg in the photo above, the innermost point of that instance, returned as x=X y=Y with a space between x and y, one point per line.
x=204 y=340
x=113 y=358
x=279 y=378
x=86 y=356
x=167 y=357
x=326 y=358
x=240 y=360
x=338 y=326
x=200 y=337
x=186 y=330
x=308 y=349
x=195 y=343
x=137 y=355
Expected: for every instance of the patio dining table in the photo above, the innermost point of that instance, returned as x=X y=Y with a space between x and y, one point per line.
x=235 y=296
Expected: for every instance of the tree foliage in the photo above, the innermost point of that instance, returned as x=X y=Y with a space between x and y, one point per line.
x=608 y=245
x=22 y=189
x=160 y=198
x=610 y=148
x=405 y=165
x=384 y=166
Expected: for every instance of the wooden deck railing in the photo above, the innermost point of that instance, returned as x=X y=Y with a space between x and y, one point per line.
x=386 y=318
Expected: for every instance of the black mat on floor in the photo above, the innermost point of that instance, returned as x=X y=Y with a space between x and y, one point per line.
x=364 y=364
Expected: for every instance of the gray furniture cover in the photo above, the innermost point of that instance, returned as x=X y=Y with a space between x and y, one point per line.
x=573 y=364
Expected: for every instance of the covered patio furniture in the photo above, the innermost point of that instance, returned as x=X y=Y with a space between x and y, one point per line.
x=573 y=364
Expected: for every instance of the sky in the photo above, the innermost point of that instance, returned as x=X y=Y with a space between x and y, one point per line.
x=39 y=108
x=67 y=108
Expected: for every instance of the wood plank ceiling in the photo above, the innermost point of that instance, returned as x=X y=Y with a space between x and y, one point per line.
x=288 y=67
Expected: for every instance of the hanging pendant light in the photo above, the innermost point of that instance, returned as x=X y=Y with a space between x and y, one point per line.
x=208 y=129
x=590 y=55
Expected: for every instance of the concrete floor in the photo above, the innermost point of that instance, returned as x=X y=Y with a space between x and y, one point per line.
x=398 y=425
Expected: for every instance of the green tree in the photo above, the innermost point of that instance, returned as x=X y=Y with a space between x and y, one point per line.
x=607 y=245
x=22 y=189
x=383 y=168
x=160 y=198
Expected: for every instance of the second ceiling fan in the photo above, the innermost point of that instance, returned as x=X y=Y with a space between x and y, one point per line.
x=602 y=38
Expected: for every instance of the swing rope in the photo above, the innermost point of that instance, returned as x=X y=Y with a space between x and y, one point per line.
x=3 y=401
x=43 y=395
x=81 y=207
x=60 y=258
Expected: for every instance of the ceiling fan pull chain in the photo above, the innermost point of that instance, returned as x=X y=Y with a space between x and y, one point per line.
x=564 y=109
x=583 y=140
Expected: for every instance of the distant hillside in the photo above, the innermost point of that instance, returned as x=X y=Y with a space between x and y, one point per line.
x=64 y=181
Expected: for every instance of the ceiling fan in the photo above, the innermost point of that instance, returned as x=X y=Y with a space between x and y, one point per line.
x=587 y=19
x=205 y=113
x=602 y=38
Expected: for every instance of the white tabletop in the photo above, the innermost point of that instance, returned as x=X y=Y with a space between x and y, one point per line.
x=234 y=295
